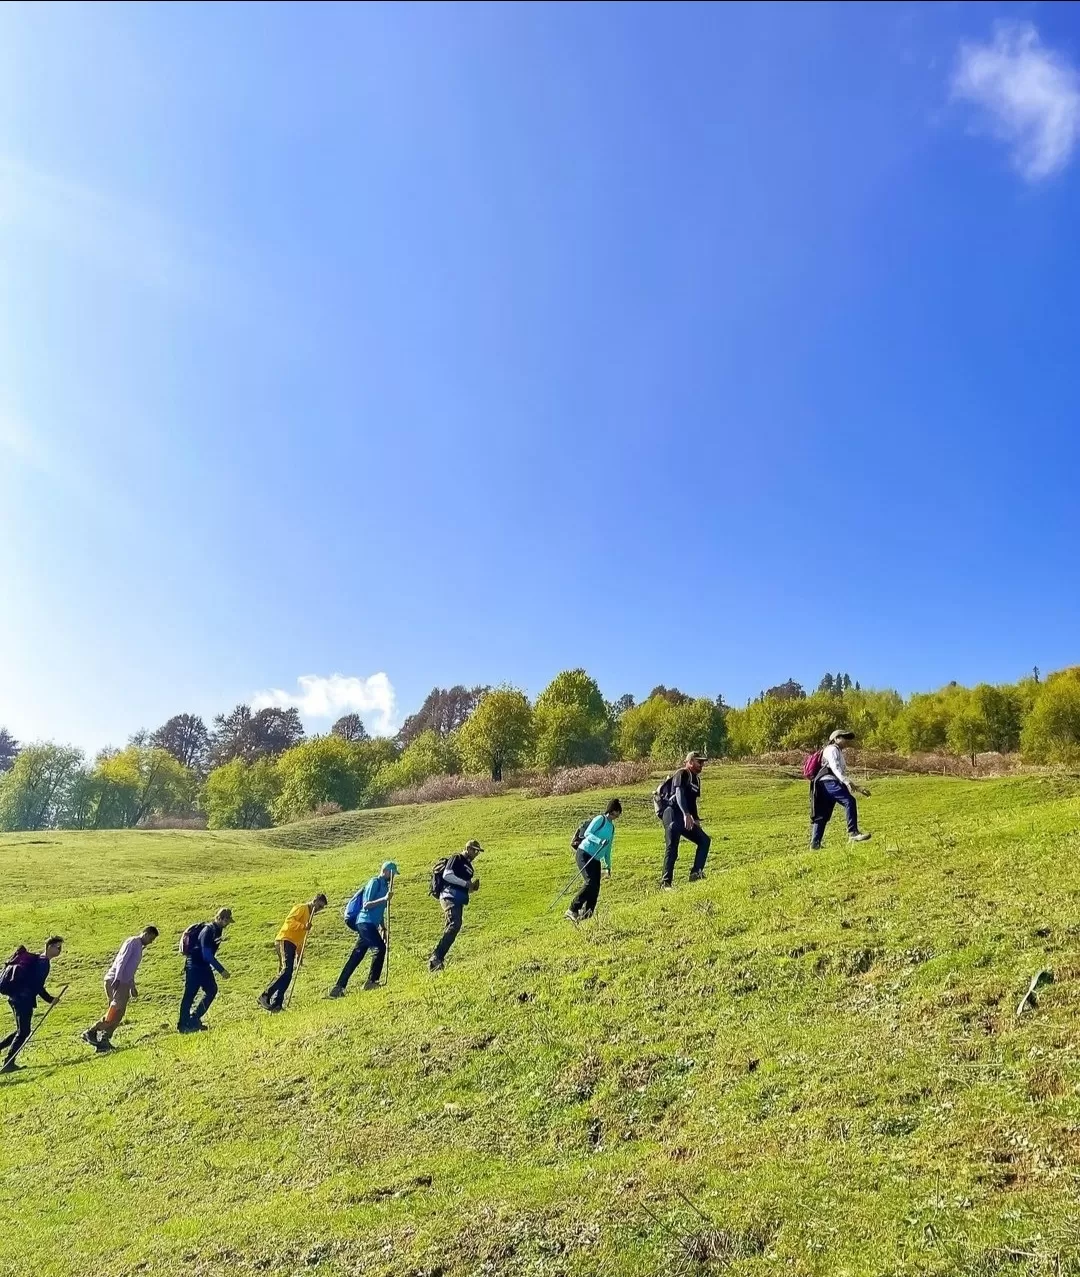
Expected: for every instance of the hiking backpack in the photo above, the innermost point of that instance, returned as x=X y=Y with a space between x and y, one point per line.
x=812 y=765
x=14 y=971
x=437 y=870
x=352 y=909
x=662 y=796
x=579 y=833
x=190 y=939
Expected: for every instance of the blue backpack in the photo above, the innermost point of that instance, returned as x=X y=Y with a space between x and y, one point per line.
x=352 y=909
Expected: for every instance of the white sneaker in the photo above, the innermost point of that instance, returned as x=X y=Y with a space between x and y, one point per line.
x=858 y=837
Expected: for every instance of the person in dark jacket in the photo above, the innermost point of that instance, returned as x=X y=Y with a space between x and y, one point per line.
x=460 y=880
x=680 y=820
x=30 y=973
x=592 y=853
x=199 y=968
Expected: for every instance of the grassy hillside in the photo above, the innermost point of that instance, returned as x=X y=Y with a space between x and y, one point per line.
x=810 y=1063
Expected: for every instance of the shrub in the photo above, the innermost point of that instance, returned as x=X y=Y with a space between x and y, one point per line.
x=573 y=780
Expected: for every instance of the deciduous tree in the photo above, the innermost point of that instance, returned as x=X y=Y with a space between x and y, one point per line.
x=498 y=734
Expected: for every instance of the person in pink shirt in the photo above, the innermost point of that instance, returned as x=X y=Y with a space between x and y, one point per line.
x=120 y=988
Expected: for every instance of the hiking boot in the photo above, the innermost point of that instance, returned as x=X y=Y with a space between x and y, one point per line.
x=11 y=1067
x=89 y=1037
x=815 y=846
x=336 y=992
x=667 y=886
x=858 y=837
x=371 y=984
x=434 y=963
x=698 y=875
x=187 y=1026
x=571 y=916
x=265 y=1002
x=104 y=1046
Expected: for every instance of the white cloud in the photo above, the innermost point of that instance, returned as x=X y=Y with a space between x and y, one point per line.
x=331 y=697
x=1030 y=95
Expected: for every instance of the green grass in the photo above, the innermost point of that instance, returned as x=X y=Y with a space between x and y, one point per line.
x=818 y=1052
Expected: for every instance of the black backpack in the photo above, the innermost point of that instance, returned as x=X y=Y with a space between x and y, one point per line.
x=663 y=796
x=190 y=939
x=437 y=870
x=579 y=833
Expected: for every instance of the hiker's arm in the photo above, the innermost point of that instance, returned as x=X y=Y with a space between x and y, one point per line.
x=47 y=995
x=449 y=876
x=381 y=900
x=210 y=957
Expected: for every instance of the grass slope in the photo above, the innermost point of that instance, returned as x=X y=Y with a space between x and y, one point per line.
x=818 y=1052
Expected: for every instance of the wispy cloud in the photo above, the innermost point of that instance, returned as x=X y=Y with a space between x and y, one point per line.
x=335 y=695
x=1029 y=95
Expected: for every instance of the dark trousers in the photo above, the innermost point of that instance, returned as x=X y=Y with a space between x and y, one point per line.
x=584 y=903
x=276 y=989
x=198 y=978
x=674 y=829
x=828 y=793
x=368 y=937
x=453 y=913
x=24 y=1014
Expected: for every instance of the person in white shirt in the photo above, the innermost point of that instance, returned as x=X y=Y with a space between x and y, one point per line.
x=831 y=785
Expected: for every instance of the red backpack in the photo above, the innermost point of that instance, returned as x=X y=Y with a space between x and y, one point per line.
x=812 y=765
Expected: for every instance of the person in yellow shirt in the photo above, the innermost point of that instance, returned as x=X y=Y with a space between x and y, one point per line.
x=290 y=941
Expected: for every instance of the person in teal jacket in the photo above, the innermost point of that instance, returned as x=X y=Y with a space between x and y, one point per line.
x=592 y=853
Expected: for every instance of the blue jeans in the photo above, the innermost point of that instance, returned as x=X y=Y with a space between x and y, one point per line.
x=368 y=936
x=198 y=978
x=829 y=793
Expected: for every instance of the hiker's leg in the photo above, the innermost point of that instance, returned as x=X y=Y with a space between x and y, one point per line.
x=7 y=1041
x=208 y=984
x=24 y=1017
x=702 y=842
x=842 y=795
x=817 y=832
x=356 y=956
x=192 y=985
x=452 y=915
x=592 y=885
x=378 y=956
x=117 y=1008
x=582 y=899
x=275 y=993
x=673 y=831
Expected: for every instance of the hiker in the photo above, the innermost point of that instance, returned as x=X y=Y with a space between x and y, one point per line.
x=120 y=988
x=290 y=940
x=830 y=784
x=592 y=850
x=22 y=983
x=364 y=914
x=679 y=814
x=199 y=945
x=453 y=881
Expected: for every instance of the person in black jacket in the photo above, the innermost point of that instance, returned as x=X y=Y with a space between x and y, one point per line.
x=680 y=819
x=200 y=963
x=459 y=881
x=30 y=971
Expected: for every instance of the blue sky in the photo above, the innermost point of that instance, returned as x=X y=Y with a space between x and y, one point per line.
x=703 y=346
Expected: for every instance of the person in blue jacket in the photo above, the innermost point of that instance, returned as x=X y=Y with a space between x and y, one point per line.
x=458 y=881
x=200 y=964
x=364 y=914
x=592 y=853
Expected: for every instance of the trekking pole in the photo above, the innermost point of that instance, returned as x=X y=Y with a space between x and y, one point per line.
x=299 y=964
x=41 y=1021
x=580 y=873
x=386 y=932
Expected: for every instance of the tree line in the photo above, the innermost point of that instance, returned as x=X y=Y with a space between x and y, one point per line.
x=251 y=769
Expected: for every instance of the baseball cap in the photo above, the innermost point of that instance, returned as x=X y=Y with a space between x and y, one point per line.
x=390 y=864
x=473 y=846
x=841 y=733
x=693 y=757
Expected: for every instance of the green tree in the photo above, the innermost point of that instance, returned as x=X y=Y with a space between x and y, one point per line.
x=693 y=725
x=186 y=738
x=571 y=725
x=325 y=769
x=429 y=754
x=134 y=783
x=966 y=733
x=497 y=736
x=924 y=724
x=9 y=749
x=350 y=727
x=241 y=795
x=35 y=791
x=1051 y=733
x=639 y=726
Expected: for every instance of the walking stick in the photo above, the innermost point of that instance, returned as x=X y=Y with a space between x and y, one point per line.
x=299 y=963
x=41 y=1021
x=386 y=932
x=580 y=873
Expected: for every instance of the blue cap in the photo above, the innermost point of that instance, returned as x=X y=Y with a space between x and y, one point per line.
x=391 y=866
